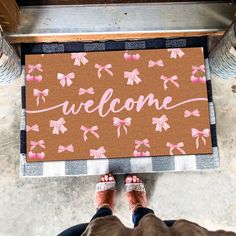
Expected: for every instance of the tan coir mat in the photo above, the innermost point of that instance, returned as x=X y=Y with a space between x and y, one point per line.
x=116 y=104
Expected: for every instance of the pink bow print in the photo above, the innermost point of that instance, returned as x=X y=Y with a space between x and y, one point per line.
x=31 y=68
x=69 y=148
x=172 y=79
x=141 y=154
x=58 y=125
x=84 y=91
x=34 y=144
x=65 y=79
x=177 y=146
x=144 y=142
x=98 y=154
x=106 y=68
x=160 y=123
x=193 y=113
x=195 y=69
x=39 y=155
x=34 y=128
x=132 y=77
x=196 y=79
x=30 y=78
x=155 y=63
x=92 y=130
x=176 y=52
x=42 y=94
x=196 y=134
x=118 y=123
x=79 y=58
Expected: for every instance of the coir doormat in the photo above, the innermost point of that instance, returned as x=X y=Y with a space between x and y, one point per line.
x=122 y=103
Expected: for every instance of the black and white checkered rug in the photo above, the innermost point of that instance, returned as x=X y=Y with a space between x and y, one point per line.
x=124 y=165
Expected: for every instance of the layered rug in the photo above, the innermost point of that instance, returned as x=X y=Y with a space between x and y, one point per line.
x=117 y=106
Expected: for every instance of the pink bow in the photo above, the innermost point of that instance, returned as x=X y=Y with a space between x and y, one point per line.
x=178 y=146
x=160 y=123
x=193 y=113
x=69 y=148
x=84 y=91
x=34 y=128
x=30 y=78
x=33 y=155
x=35 y=144
x=196 y=134
x=132 y=77
x=144 y=142
x=58 y=125
x=118 y=123
x=195 y=79
x=155 y=63
x=176 y=52
x=171 y=79
x=92 y=130
x=31 y=68
x=195 y=69
x=79 y=58
x=106 y=68
x=141 y=154
x=99 y=153
x=42 y=94
x=65 y=79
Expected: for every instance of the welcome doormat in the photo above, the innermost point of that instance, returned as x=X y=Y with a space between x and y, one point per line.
x=116 y=104
x=131 y=164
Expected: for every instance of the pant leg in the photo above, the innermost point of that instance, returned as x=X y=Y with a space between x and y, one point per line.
x=79 y=229
x=169 y=223
x=76 y=230
x=139 y=213
x=103 y=211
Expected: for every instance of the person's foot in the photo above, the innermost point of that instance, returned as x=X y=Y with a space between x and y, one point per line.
x=135 y=192
x=105 y=191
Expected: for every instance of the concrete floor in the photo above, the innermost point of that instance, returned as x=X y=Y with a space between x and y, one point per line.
x=46 y=206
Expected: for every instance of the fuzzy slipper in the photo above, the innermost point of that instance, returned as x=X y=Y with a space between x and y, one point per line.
x=105 y=192
x=135 y=192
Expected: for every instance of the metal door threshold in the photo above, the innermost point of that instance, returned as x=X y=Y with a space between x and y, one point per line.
x=121 y=21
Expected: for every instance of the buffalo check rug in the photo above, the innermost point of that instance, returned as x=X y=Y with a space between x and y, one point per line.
x=117 y=106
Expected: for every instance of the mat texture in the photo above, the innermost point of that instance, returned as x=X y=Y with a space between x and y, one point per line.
x=134 y=164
